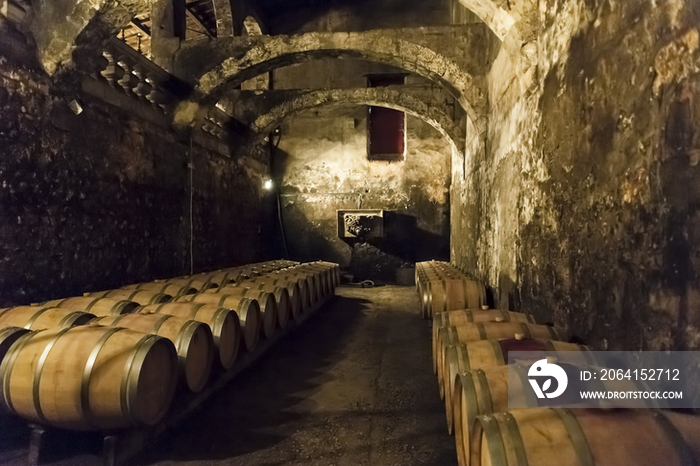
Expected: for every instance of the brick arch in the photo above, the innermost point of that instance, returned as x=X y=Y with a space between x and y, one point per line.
x=413 y=104
x=263 y=54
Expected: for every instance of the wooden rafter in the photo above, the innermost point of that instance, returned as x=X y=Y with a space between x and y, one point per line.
x=190 y=11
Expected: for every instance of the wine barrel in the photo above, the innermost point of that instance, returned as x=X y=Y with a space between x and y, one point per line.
x=575 y=437
x=98 y=306
x=330 y=270
x=171 y=289
x=293 y=291
x=461 y=317
x=484 y=354
x=248 y=311
x=454 y=335
x=193 y=342
x=486 y=391
x=424 y=288
x=306 y=289
x=8 y=337
x=311 y=284
x=225 y=278
x=42 y=317
x=334 y=270
x=266 y=300
x=142 y=297
x=89 y=378
x=224 y=324
x=323 y=277
x=449 y=293
x=282 y=300
x=198 y=283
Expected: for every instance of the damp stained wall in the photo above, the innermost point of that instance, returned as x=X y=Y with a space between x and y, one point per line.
x=101 y=199
x=323 y=167
x=321 y=164
x=581 y=203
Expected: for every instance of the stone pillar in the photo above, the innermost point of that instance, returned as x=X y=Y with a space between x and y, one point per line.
x=168 y=31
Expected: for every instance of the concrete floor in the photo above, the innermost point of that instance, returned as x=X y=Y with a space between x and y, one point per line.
x=353 y=386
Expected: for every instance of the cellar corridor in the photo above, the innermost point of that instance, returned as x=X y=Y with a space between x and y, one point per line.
x=352 y=386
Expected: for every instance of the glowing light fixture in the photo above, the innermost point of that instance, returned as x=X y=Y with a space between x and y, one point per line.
x=268 y=185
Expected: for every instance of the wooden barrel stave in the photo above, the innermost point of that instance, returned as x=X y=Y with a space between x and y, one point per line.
x=572 y=437
x=43 y=317
x=98 y=306
x=248 y=311
x=171 y=289
x=115 y=378
x=486 y=331
x=468 y=316
x=224 y=324
x=142 y=297
x=266 y=301
x=193 y=341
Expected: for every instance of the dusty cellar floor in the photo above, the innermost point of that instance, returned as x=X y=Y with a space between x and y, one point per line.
x=352 y=386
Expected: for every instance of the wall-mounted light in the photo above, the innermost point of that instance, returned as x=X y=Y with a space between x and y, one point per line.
x=268 y=185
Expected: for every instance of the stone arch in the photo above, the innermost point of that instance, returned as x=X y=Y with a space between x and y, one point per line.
x=269 y=53
x=378 y=96
x=507 y=27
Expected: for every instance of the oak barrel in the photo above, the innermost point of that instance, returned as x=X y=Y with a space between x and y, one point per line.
x=171 y=289
x=465 y=333
x=98 y=306
x=248 y=311
x=114 y=378
x=266 y=300
x=486 y=391
x=461 y=317
x=485 y=354
x=198 y=283
x=8 y=337
x=140 y=296
x=293 y=291
x=574 y=437
x=43 y=317
x=224 y=324
x=450 y=293
x=193 y=342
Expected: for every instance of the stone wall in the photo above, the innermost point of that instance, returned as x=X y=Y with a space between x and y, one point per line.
x=97 y=200
x=322 y=167
x=582 y=203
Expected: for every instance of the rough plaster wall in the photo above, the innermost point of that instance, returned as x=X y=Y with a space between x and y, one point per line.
x=101 y=199
x=586 y=197
x=323 y=164
x=326 y=165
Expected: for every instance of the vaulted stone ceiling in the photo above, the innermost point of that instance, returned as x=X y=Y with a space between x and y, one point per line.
x=287 y=17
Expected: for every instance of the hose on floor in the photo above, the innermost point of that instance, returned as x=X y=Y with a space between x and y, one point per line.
x=362 y=284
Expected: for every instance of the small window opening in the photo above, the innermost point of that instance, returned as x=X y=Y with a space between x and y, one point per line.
x=386 y=127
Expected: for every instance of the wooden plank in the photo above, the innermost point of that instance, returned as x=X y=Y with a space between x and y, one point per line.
x=192 y=15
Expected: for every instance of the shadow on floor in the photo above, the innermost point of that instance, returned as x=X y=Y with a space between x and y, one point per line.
x=232 y=422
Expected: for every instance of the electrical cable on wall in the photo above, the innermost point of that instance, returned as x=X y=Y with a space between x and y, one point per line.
x=273 y=151
x=190 y=165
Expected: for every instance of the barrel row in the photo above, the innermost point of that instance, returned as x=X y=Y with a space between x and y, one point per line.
x=127 y=356
x=441 y=287
x=470 y=354
x=192 y=284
